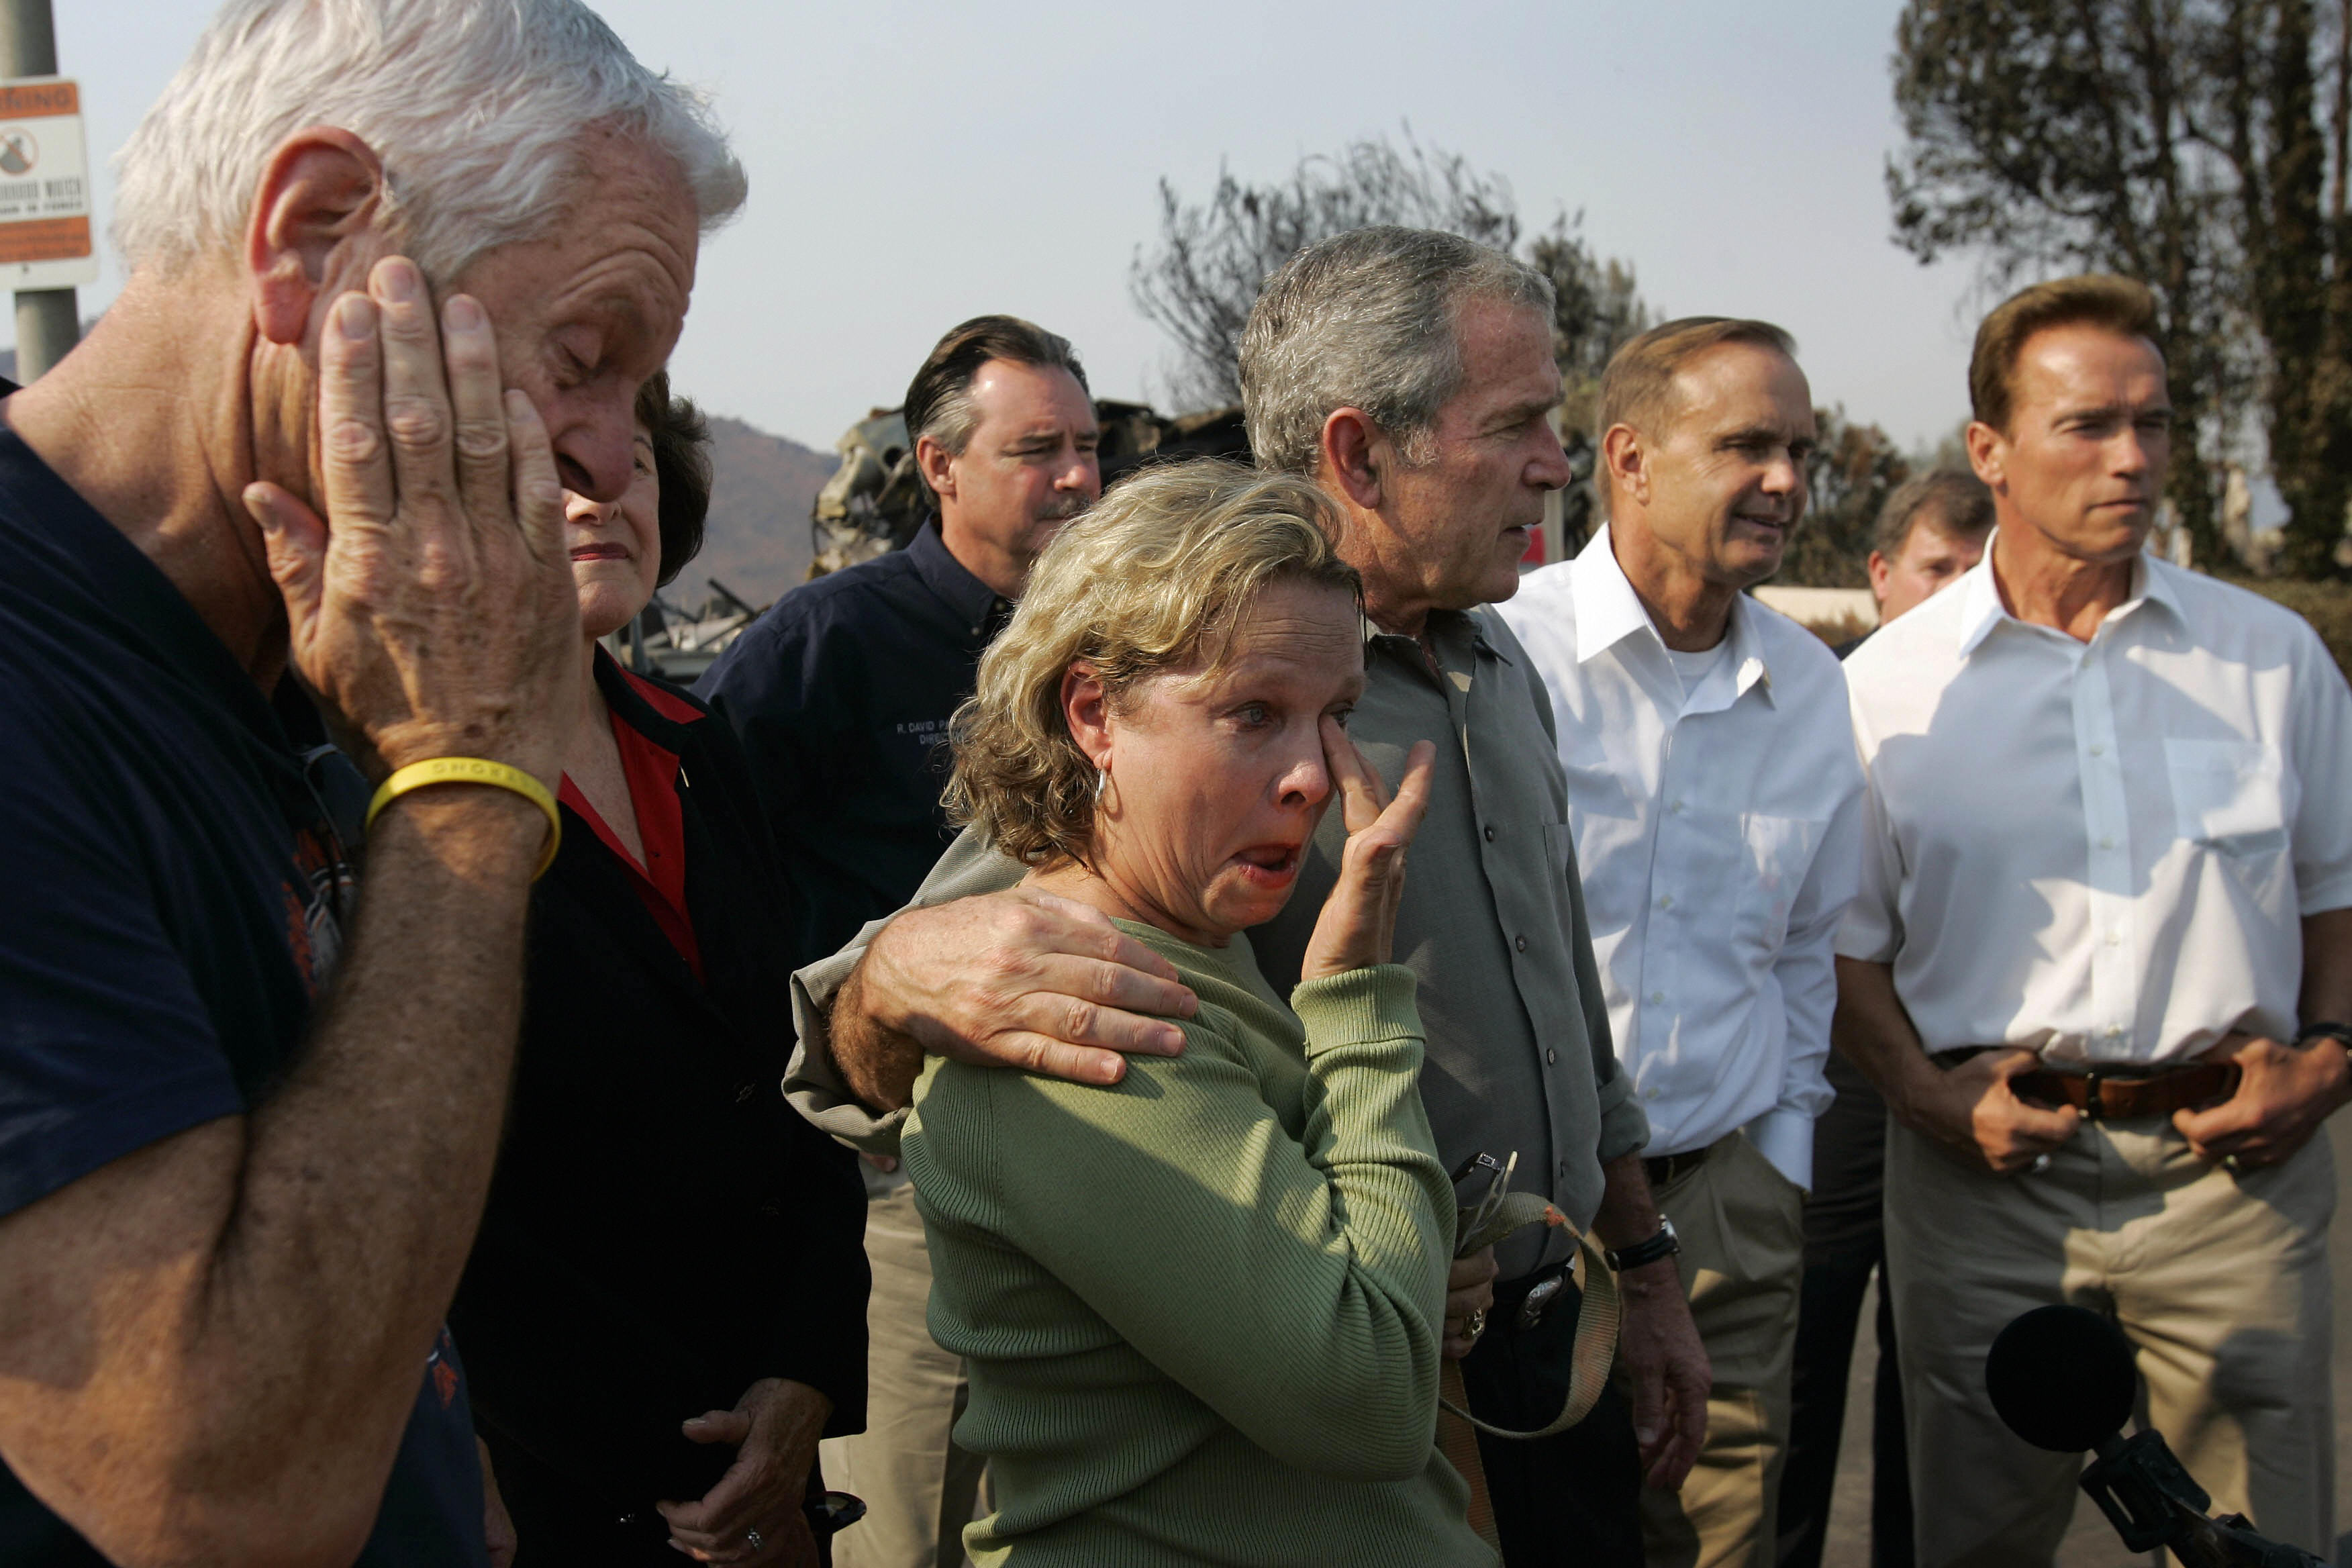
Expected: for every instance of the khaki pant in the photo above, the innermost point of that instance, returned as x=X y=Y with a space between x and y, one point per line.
x=920 y=1487
x=1743 y=1232
x=2220 y=1281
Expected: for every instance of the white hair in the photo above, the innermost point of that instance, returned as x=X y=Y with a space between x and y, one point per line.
x=477 y=109
x=1367 y=318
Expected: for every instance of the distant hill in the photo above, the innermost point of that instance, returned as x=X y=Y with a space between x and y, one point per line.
x=757 y=539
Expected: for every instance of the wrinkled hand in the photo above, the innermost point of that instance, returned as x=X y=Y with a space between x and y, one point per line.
x=1469 y=1289
x=497 y=1527
x=1669 y=1371
x=432 y=612
x=774 y=1427
x=1023 y=979
x=1974 y=1113
x=1358 y=926
x=2284 y=1094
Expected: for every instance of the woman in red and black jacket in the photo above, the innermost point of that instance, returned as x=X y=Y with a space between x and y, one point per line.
x=665 y=1310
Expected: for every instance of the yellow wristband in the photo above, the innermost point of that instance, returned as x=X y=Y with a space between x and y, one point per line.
x=472 y=771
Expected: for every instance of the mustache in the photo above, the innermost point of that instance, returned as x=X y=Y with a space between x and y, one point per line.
x=1062 y=509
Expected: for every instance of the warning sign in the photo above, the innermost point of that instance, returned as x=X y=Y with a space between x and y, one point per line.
x=45 y=237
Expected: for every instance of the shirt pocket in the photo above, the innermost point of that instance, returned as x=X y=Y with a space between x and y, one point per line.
x=2226 y=796
x=1779 y=851
x=1560 y=846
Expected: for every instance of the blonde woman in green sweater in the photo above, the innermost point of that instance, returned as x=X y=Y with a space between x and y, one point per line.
x=1201 y=1307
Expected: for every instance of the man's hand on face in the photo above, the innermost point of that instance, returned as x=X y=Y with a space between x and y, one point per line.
x=431 y=611
x=2284 y=1094
x=1019 y=979
x=1976 y=1115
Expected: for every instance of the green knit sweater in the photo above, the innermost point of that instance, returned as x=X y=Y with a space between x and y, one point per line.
x=1201 y=1308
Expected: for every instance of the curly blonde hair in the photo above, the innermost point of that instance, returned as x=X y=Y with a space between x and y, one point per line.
x=1155 y=577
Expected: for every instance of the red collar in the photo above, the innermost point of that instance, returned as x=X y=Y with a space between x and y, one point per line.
x=652 y=771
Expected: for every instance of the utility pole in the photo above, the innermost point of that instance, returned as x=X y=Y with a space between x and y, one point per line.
x=48 y=321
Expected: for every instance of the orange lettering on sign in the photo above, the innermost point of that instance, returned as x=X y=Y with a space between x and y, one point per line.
x=45 y=239
x=48 y=98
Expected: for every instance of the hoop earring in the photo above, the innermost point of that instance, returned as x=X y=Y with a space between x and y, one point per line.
x=1102 y=782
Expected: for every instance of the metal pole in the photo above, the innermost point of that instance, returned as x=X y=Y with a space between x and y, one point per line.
x=48 y=321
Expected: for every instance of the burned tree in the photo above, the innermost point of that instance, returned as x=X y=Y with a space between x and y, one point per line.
x=1198 y=284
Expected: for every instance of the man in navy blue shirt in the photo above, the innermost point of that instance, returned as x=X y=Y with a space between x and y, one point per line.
x=843 y=690
x=248 y=1105
x=842 y=694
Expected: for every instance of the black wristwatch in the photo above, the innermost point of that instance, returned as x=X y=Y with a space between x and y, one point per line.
x=2340 y=1033
x=1665 y=1243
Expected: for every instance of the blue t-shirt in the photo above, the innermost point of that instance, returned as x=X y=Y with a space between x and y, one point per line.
x=175 y=889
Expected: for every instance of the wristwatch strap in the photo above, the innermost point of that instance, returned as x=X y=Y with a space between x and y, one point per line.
x=2340 y=1033
x=1665 y=1243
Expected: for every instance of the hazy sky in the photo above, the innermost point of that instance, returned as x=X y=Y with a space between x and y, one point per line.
x=913 y=165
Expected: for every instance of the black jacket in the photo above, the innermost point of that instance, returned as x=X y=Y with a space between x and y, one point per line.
x=841 y=696
x=663 y=1229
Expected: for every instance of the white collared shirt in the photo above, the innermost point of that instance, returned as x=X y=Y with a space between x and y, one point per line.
x=1719 y=833
x=2099 y=851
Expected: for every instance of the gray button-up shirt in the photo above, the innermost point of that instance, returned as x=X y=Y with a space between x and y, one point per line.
x=1491 y=923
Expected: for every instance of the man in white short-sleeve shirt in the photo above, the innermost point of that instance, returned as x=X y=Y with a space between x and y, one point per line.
x=2101 y=964
x=1714 y=801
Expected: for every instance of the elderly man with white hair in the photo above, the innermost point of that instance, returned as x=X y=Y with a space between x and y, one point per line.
x=400 y=264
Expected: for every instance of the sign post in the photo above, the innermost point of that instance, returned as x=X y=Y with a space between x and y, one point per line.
x=47 y=249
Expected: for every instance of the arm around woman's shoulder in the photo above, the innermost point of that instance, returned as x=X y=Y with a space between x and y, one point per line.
x=1293 y=1284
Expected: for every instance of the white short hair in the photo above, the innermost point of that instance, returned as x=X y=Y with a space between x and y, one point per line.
x=479 y=110
x=1368 y=318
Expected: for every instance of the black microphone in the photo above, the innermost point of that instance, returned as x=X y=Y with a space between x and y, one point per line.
x=2062 y=1378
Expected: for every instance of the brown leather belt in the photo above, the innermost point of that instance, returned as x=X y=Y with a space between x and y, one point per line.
x=2104 y=1096
x=1665 y=1168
